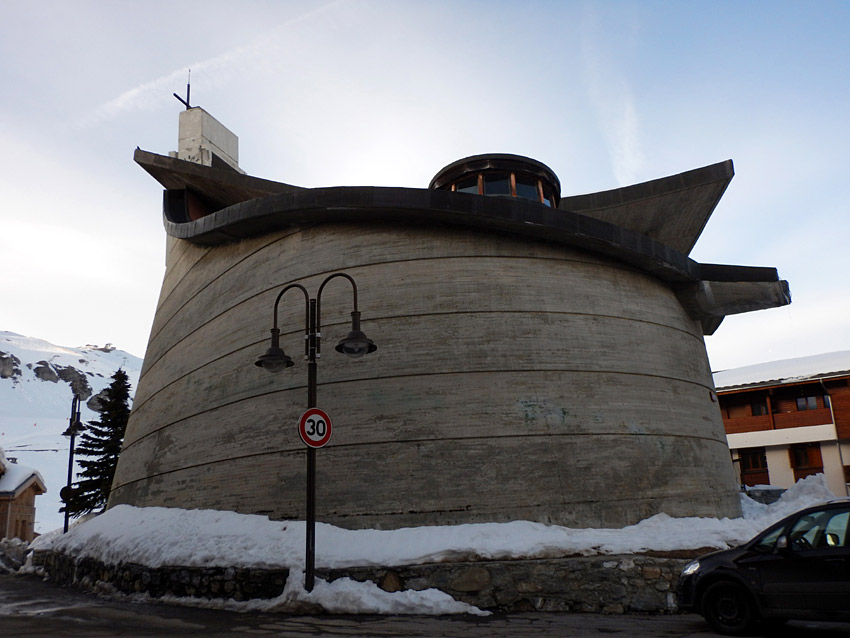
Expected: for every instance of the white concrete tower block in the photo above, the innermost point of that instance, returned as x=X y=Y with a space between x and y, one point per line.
x=204 y=140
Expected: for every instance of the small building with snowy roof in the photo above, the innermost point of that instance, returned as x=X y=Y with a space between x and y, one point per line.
x=19 y=485
x=788 y=419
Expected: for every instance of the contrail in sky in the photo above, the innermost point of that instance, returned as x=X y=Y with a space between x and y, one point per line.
x=615 y=107
x=215 y=71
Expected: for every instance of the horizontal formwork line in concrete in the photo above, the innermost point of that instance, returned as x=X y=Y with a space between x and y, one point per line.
x=360 y=267
x=610 y=500
x=300 y=330
x=291 y=334
x=301 y=449
x=384 y=262
x=211 y=281
x=379 y=262
x=302 y=386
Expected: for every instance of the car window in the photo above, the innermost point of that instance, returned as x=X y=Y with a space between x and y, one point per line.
x=768 y=541
x=836 y=530
x=820 y=529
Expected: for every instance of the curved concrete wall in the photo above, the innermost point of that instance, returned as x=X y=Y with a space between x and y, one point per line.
x=514 y=379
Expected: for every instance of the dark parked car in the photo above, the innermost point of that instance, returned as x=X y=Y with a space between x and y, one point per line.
x=799 y=568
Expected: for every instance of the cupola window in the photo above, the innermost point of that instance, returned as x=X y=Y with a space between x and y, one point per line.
x=501 y=176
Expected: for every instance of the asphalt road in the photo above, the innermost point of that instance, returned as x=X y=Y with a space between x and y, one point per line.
x=30 y=606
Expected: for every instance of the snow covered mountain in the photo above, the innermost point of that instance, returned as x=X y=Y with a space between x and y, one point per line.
x=37 y=382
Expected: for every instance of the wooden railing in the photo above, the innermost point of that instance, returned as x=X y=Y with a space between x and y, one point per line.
x=777 y=421
x=802 y=419
x=748 y=424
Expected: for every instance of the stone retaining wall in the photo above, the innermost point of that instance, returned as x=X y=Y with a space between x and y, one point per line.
x=130 y=578
x=589 y=584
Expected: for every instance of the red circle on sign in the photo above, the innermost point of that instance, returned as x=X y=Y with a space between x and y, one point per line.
x=315 y=427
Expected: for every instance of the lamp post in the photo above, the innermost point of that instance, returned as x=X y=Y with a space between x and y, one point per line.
x=74 y=428
x=354 y=345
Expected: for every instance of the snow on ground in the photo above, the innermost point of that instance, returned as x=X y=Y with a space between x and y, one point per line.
x=157 y=537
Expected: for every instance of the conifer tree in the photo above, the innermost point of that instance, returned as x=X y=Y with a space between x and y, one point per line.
x=101 y=443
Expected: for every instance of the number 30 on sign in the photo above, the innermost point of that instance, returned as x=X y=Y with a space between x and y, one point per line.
x=315 y=428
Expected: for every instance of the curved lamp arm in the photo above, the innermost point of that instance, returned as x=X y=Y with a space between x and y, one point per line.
x=275 y=359
x=355 y=344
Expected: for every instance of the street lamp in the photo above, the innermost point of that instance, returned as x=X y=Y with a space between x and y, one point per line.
x=354 y=345
x=74 y=428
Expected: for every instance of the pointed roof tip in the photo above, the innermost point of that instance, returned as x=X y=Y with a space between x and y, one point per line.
x=672 y=210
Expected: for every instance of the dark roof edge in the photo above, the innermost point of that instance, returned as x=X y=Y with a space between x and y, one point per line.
x=173 y=173
x=722 y=171
x=787 y=381
x=254 y=210
x=346 y=204
x=723 y=272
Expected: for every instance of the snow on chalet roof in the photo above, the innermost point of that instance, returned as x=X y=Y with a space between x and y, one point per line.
x=13 y=477
x=830 y=364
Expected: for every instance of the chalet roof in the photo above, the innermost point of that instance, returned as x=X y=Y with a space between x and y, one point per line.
x=15 y=478
x=785 y=371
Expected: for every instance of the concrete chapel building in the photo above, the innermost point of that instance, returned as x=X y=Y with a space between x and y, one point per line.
x=540 y=356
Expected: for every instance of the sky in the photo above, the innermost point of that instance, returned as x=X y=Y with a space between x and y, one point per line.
x=383 y=92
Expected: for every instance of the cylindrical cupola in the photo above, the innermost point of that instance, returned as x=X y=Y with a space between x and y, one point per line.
x=501 y=175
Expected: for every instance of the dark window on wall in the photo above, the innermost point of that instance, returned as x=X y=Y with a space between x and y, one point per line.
x=759 y=407
x=736 y=410
x=469 y=185
x=506 y=184
x=754 y=466
x=526 y=187
x=547 y=196
x=807 y=403
x=497 y=184
x=805 y=459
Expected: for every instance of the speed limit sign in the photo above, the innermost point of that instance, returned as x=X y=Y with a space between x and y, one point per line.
x=315 y=427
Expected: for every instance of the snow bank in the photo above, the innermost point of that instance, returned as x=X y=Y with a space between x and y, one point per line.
x=158 y=537
x=345 y=596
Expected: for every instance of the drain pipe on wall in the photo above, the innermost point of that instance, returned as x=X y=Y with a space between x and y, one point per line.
x=837 y=440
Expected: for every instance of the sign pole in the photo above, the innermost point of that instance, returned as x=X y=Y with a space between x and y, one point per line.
x=72 y=429
x=309 y=575
x=315 y=425
x=310 y=562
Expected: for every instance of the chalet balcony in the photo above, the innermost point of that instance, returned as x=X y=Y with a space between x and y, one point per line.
x=748 y=424
x=803 y=418
x=777 y=421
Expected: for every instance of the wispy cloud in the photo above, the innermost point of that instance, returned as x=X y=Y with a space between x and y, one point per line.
x=216 y=71
x=613 y=101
